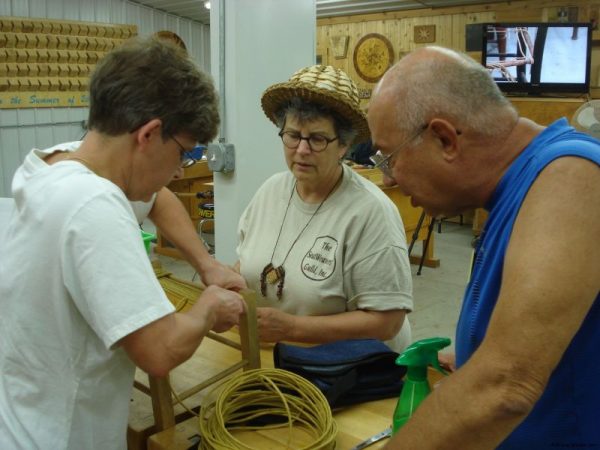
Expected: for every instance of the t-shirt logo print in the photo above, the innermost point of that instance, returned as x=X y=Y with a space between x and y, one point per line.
x=319 y=263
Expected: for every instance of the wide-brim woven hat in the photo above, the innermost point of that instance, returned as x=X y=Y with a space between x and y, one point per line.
x=324 y=85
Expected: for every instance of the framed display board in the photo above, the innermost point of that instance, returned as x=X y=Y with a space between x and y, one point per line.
x=373 y=55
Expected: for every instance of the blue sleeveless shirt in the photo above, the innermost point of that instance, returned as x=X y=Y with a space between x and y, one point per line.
x=568 y=413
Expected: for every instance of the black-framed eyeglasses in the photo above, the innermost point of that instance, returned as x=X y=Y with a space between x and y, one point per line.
x=316 y=142
x=385 y=162
x=186 y=157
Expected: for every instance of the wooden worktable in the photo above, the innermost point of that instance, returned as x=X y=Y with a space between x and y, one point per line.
x=355 y=423
x=196 y=178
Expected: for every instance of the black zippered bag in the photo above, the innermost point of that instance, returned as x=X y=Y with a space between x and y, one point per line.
x=348 y=371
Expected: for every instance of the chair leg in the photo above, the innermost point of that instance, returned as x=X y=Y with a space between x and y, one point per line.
x=249 y=331
x=426 y=244
x=162 y=403
x=415 y=235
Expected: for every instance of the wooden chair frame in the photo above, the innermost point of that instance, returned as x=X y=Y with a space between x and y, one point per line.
x=159 y=388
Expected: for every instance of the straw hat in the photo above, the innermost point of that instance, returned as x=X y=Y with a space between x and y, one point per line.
x=324 y=85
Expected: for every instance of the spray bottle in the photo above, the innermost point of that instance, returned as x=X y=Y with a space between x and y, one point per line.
x=416 y=358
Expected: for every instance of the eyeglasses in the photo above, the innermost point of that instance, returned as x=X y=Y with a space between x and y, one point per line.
x=385 y=162
x=187 y=159
x=316 y=142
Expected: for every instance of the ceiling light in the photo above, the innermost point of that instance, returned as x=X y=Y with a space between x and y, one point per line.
x=207 y=4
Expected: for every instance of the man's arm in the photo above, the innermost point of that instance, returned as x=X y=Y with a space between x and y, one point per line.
x=275 y=325
x=550 y=281
x=169 y=215
x=167 y=342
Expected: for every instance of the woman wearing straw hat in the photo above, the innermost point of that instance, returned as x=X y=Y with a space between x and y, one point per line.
x=324 y=246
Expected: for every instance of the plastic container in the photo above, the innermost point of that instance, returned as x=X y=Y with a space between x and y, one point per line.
x=197 y=152
x=416 y=358
x=148 y=238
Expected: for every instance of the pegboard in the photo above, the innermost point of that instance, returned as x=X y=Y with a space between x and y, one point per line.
x=47 y=63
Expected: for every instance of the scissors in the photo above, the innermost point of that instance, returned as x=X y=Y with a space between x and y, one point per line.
x=375 y=438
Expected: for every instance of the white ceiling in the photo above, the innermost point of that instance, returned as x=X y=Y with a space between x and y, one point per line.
x=195 y=10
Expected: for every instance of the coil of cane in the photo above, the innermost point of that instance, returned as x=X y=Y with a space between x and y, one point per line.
x=266 y=392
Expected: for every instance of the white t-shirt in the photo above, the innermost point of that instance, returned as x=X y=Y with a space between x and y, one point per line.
x=74 y=280
x=353 y=254
x=36 y=160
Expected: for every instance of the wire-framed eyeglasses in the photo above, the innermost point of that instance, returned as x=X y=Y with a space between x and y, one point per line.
x=316 y=142
x=186 y=157
x=385 y=162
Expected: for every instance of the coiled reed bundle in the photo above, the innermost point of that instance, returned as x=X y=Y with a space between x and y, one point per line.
x=264 y=393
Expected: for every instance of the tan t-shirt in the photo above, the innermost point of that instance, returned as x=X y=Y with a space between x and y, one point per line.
x=353 y=254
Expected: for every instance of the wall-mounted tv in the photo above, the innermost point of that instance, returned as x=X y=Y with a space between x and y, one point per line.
x=538 y=58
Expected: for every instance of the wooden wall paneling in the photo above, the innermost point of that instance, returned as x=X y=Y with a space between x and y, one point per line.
x=445 y=31
x=450 y=24
x=458 y=36
x=392 y=31
x=320 y=48
x=525 y=12
x=404 y=38
x=546 y=110
x=508 y=10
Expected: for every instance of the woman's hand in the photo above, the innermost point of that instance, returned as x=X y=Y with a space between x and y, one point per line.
x=274 y=325
x=221 y=275
x=224 y=306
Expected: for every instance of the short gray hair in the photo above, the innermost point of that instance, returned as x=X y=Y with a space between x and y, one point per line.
x=306 y=111
x=145 y=79
x=454 y=86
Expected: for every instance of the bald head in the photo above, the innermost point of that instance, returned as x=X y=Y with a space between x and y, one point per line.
x=438 y=82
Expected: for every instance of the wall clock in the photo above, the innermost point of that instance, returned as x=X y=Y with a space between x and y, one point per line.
x=373 y=55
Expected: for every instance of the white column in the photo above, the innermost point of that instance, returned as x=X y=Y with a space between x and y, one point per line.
x=265 y=42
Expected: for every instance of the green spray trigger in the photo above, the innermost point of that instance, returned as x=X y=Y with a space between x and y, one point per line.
x=416 y=358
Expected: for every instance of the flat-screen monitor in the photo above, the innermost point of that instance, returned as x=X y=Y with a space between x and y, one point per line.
x=538 y=58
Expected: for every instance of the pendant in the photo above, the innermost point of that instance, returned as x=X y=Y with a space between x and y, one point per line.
x=272 y=275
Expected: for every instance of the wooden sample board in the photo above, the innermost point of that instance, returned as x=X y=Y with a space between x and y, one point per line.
x=46 y=63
